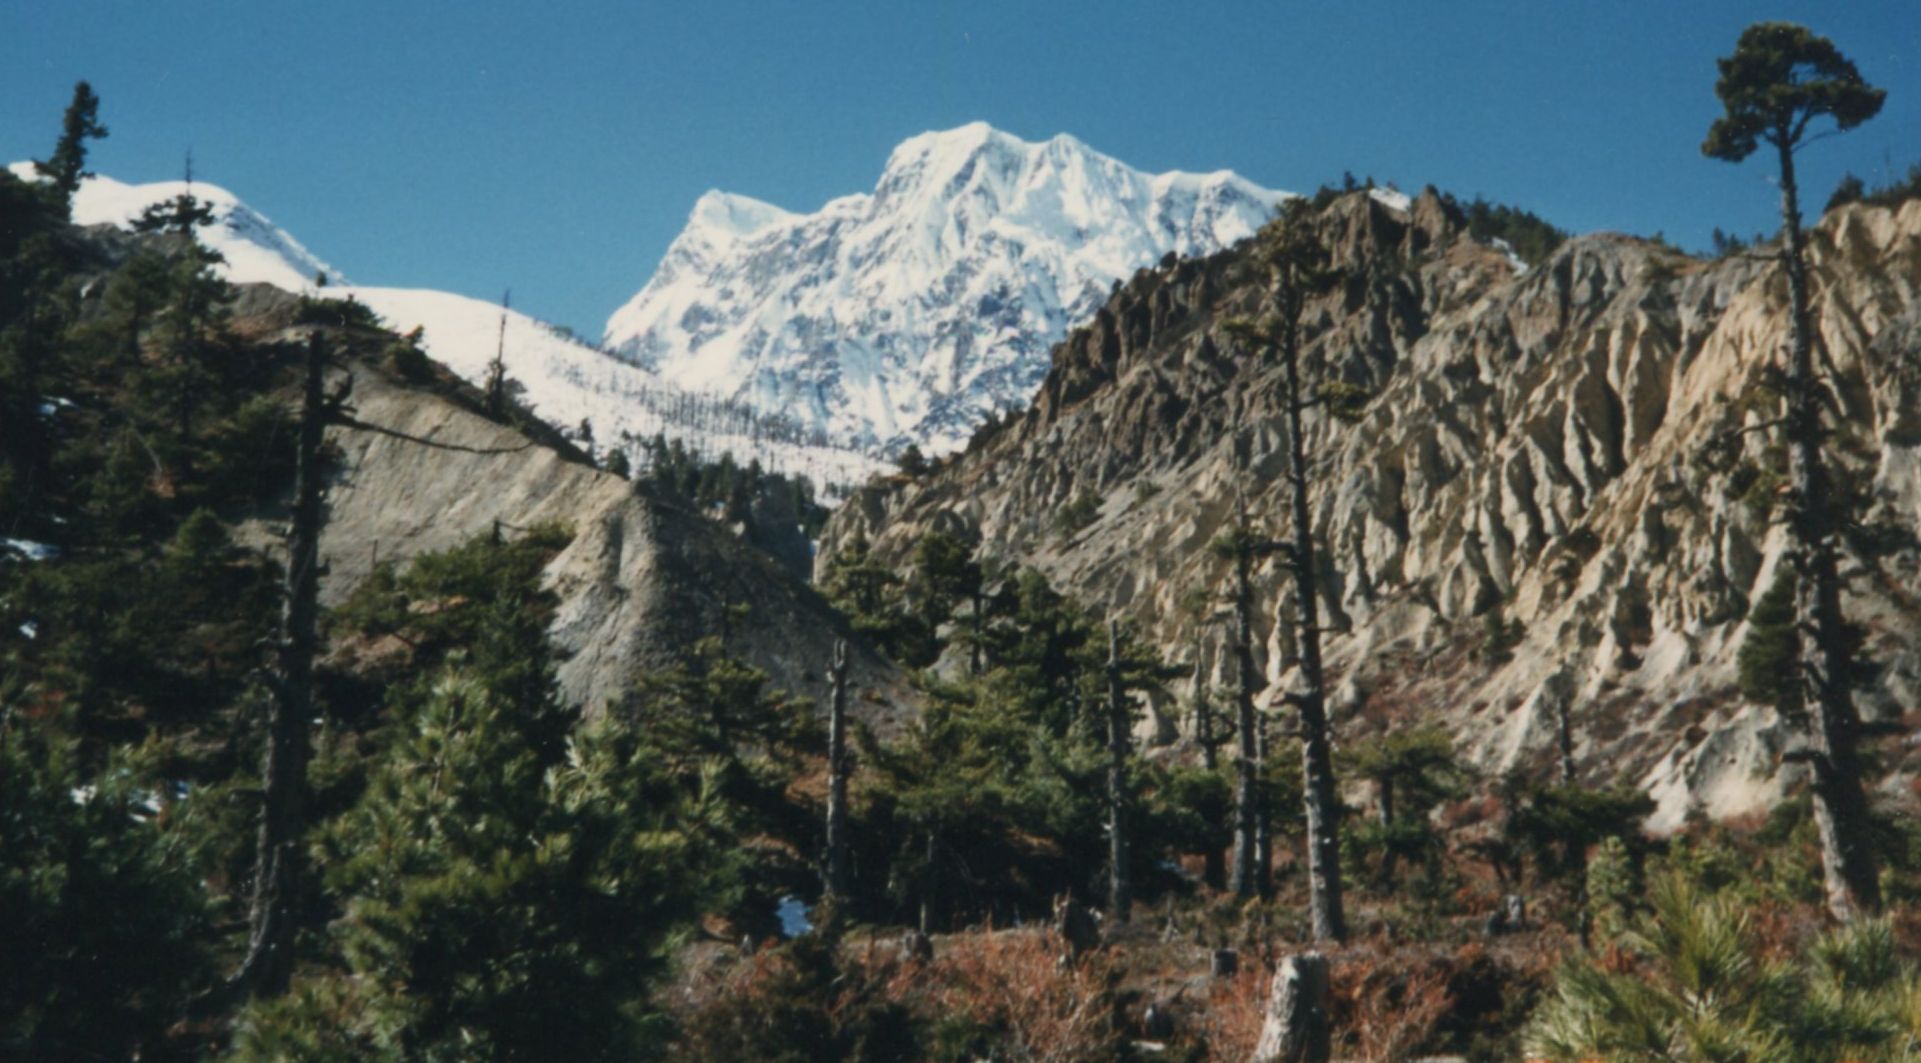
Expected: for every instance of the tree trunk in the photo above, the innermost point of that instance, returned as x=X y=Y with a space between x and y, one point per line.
x=980 y=603
x=1840 y=806
x=1296 y=1028
x=1390 y=860
x=277 y=860
x=930 y=891
x=1577 y=855
x=1322 y=804
x=1263 y=817
x=1204 y=714
x=1214 y=869
x=1119 y=897
x=1246 y=761
x=837 y=874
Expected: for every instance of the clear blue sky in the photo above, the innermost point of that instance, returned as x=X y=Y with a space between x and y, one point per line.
x=557 y=147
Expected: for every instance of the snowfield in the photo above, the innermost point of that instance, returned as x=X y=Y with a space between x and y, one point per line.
x=564 y=382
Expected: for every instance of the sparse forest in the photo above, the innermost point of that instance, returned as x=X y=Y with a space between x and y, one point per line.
x=237 y=825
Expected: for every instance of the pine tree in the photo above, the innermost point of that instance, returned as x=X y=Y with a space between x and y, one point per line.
x=497 y=901
x=68 y=163
x=33 y=316
x=190 y=331
x=1412 y=770
x=1779 y=80
x=1692 y=981
x=873 y=598
x=279 y=868
x=945 y=575
x=837 y=870
x=1120 y=725
x=180 y=215
x=1250 y=872
x=106 y=927
x=1295 y=264
x=722 y=737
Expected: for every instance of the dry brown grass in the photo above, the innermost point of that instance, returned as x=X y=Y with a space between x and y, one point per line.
x=1011 y=982
x=1387 y=1005
x=1236 y=1007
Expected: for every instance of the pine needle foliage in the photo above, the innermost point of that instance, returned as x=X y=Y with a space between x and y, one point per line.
x=1693 y=983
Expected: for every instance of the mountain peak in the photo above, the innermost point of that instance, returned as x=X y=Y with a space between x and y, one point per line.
x=254 y=248
x=733 y=215
x=912 y=313
x=960 y=140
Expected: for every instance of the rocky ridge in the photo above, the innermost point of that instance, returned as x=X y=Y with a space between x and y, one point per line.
x=644 y=576
x=1541 y=441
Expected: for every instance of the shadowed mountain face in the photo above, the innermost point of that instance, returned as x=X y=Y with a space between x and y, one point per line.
x=1538 y=444
x=912 y=313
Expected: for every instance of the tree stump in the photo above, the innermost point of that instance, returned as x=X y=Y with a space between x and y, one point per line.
x=1296 y=1029
x=1514 y=907
x=915 y=947
x=1157 y=1022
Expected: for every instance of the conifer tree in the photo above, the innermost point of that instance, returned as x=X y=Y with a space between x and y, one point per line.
x=1780 y=79
x=180 y=215
x=837 y=841
x=1199 y=605
x=278 y=865
x=505 y=893
x=33 y=315
x=68 y=163
x=104 y=925
x=190 y=332
x=496 y=381
x=1241 y=547
x=1295 y=264
x=1120 y=724
x=1412 y=771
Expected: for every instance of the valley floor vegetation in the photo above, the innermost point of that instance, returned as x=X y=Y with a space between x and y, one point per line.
x=481 y=871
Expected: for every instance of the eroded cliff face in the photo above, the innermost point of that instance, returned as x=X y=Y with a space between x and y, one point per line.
x=642 y=579
x=1541 y=442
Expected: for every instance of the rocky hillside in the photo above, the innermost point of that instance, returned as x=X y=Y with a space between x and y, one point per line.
x=644 y=577
x=1540 y=442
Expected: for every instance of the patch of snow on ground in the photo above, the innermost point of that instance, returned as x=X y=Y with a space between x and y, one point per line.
x=1392 y=198
x=31 y=550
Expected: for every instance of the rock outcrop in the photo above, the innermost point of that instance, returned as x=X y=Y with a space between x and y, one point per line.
x=643 y=578
x=1550 y=443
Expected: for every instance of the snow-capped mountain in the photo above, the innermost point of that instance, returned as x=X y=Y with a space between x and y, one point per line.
x=911 y=313
x=566 y=382
x=255 y=248
x=563 y=380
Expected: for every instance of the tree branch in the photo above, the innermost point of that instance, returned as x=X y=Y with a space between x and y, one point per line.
x=354 y=422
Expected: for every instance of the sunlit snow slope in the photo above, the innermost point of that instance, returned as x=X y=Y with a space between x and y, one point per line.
x=911 y=313
x=564 y=381
x=255 y=249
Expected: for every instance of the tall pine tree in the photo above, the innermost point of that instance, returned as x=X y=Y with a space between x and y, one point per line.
x=1780 y=79
x=68 y=163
